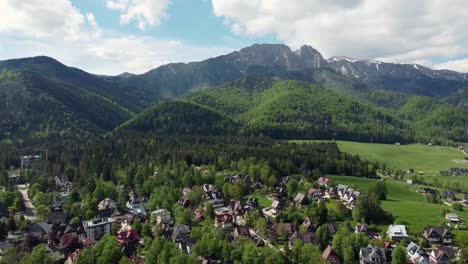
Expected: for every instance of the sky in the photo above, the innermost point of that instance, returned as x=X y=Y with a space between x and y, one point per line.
x=115 y=36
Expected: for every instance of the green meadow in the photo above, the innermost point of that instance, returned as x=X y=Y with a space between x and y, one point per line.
x=421 y=158
x=407 y=206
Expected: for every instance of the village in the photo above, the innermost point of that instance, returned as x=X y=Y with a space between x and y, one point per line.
x=279 y=218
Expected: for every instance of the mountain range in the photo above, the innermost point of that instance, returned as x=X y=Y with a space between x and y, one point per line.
x=264 y=89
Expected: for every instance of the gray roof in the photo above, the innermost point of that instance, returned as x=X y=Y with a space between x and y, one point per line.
x=371 y=252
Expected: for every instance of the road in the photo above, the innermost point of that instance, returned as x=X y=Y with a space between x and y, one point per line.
x=30 y=210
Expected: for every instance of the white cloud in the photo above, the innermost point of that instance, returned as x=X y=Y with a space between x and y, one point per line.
x=144 y=12
x=456 y=65
x=39 y=19
x=59 y=30
x=398 y=30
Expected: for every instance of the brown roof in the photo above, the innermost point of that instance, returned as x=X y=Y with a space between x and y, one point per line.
x=287 y=227
x=329 y=252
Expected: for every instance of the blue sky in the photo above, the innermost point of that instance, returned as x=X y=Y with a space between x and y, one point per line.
x=114 y=36
x=191 y=21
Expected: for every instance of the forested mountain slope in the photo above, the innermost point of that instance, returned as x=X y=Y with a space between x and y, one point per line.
x=291 y=109
x=28 y=113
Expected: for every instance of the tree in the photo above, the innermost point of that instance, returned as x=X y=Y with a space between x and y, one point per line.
x=124 y=260
x=42 y=212
x=137 y=226
x=338 y=242
x=110 y=254
x=146 y=230
x=292 y=187
x=368 y=210
x=379 y=189
x=30 y=241
x=39 y=255
x=399 y=255
x=457 y=206
x=323 y=235
x=261 y=226
x=348 y=255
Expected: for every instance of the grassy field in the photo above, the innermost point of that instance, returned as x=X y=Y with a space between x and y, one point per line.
x=404 y=203
x=429 y=159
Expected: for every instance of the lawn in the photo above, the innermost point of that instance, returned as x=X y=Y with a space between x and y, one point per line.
x=263 y=202
x=406 y=205
x=429 y=159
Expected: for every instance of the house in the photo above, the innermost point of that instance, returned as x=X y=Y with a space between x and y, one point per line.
x=252 y=202
x=163 y=216
x=186 y=191
x=57 y=218
x=331 y=193
x=416 y=254
x=235 y=207
x=301 y=199
x=372 y=255
x=438 y=256
x=180 y=233
x=465 y=198
x=453 y=253
x=353 y=199
x=183 y=201
x=187 y=244
x=314 y=193
x=307 y=238
x=448 y=195
x=56 y=233
x=242 y=231
x=215 y=198
x=223 y=220
x=341 y=190
x=452 y=217
x=107 y=203
x=322 y=181
x=63 y=183
x=273 y=210
x=430 y=192
x=438 y=235
x=330 y=256
x=308 y=225
x=280 y=229
x=4 y=212
x=136 y=205
x=361 y=228
x=208 y=188
x=128 y=241
x=97 y=228
x=397 y=233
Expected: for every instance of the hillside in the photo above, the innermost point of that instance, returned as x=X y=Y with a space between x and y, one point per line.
x=30 y=114
x=82 y=93
x=179 y=118
x=292 y=109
